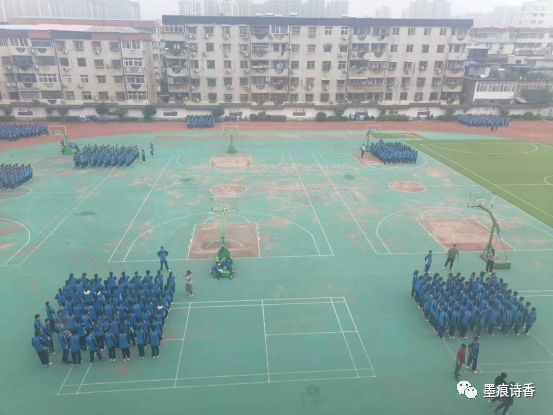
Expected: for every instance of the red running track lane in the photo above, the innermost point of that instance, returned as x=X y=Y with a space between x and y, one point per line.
x=537 y=131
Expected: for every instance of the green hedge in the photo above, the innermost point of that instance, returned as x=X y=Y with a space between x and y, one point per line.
x=261 y=117
x=128 y=119
x=321 y=116
x=393 y=117
x=72 y=118
x=7 y=118
x=447 y=117
x=336 y=118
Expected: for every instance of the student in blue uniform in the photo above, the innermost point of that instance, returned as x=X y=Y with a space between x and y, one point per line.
x=75 y=347
x=63 y=338
x=155 y=342
x=124 y=346
x=93 y=347
x=141 y=341
x=530 y=320
x=111 y=342
x=163 y=254
x=41 y=348
x=474 y=351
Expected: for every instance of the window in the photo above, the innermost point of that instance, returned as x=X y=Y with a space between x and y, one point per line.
x=392 y=66
x=375 y=81
x=227 y=81
x=312 y=31
x=344 y=31
x=342 y=65
x=210 y=47
x=296 y=30
x=118 y=79
x=211 y=82
x=135 y=79
x=295 y=48
x=433 y=96
x=84 y=79
x=51 y=94
x=116 y=63
x=66 y=78
x=440 y=49
x=70 y=95
x=243 y=64
x=421 y=81
x=456 y=48
x=212 y=97
x=120 y=96
x=136 y=62
x=81 y=62
x=395 y=31
x=295 y=65
x=407 y=65
x=341 y=82
x=244 y=81
x=344 y=48
x=294 y=97
x=226 y=30
x=310 y=48
x=3 y=42
x=411 y=31
x=228 y=97
x=60 y=44
x=340 y=97
x=96 y=45
x=87 y=95
x=114 y=46
x=327 y=66
x=208 y=30
x=393 y=48
x=99 y=63
x=328 y=30
x=409 y=48
x=423 y=65
x=103 y=96
x=244 y=97
x=64 y=61
x=48 y=78
x=137 y=95
x=194 y=82
x=403 y=96
x=40 y=43
x=19 y=41
x=45 y=60
x=325 y=97
x=29 y=95
x=427 y=31
x=196 y=97
x=227 y=64
x=405 y=81
x=294 y=81
x=310 y=64
x=327 y=48
x=260 y=80
x=309 y=97
x=418 y=96
x=425 y=48
x=438 y=65
x=388 y=96
x=443 y=31
x=210 y=64
x=23 y=61
x=131 y=44
x=243 y=48
x=310 y=82
x=243 y=30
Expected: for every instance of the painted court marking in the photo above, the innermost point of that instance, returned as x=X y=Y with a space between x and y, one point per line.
x=484 y=153
x=365 y=372
x=26 y=243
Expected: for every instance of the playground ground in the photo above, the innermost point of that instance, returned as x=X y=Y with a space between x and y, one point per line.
x=319 y=318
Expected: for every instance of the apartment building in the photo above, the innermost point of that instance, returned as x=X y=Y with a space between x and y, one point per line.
x=537 y=13
x=276 y=61
x=79 y=63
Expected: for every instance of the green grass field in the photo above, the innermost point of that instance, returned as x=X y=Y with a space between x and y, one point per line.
x=319 y=318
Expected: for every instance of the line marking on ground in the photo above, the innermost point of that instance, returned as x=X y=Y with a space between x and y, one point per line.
x=344 y=336
x=26 y=243
x=429 y=233
x=139 y=209
x=475 y=152
x=182 y=344
x=266 y=347
x=84 y=377
x=544 y=346
x=344 y=202
x=359 y=336
x=65 y=380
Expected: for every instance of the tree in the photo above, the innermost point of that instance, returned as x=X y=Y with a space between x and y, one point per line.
x=49 y=111
x=8 y=110
x=63 y=111
x=149 y=111
x=504 y=112
x=164 y=85
x=321 y=116
x=121 y=112
x=450 y=111
x=218 y=112
x=339 y=111
x=102 y=108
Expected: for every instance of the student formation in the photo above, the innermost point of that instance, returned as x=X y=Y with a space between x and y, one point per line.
x=484 y=120
x=393 y=152
x=14 y=132
x=116 y=313
x=478 y=303
x=106 y=156
x=15 y=175
x=200 y=121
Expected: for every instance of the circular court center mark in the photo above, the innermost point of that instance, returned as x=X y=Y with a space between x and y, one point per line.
x=228 y=189
x=409 y=187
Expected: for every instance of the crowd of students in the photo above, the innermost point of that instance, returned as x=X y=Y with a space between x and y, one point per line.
x=393 y=152
x=484 y=120
x=14 y=175
x=359 y=117
x=221 y=265
x=200 y=121
x=115 y=313
x=477 y=303
x=14 y=132
x=105 y=156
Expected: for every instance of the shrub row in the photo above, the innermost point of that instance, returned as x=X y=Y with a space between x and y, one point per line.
x=393 y=117
x=267 y=117
x=446 y=117
x=7 y=118
x=71 y=118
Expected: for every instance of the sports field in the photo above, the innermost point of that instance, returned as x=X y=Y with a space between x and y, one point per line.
x=319 y=317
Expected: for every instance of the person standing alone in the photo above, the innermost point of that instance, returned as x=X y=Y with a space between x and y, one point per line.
x=428 y=261
x=474 y=350
x=459 y=360
x=163 y=254
x=188 y=280
x=490 y=261
x=452 y=255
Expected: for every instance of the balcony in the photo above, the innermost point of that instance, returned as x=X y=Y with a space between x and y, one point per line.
x=452 y=87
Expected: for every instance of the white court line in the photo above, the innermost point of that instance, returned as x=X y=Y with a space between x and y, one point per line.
x=311 y=203
x=84 y=377
x=191 y=239
x=345 y=338
x=544 y=346
x=493 y=184
x=315 y=332
x=26 y=243
x=428 y=232
x=359 y=336
x=474 y=152
x=253 y=257
x=139 y=209
x=266 y=346
x=70 y=213
x=515 y=363
x=344 y=202
x=181 y=190
x=258 y=240
x=255 y=305
x=182 y=345
x=65 y=380
x=259 y=300
x=229 y=215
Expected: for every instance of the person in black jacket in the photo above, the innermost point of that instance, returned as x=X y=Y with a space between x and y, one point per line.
x=500 y=380
x=506 y=401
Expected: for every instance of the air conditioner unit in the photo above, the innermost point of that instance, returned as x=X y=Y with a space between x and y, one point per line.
x=196 y=70
x=344 y=70
x=390 y=87
x=64 y=84
x=192 y=87
x=226 y=54
x=341 y=55
x=246 y=71
x=196 y=100
x=226 y=36
x=308 y=87
x=246 y=87
x=97 y=51
x=95 y=98
x=271 y=36
x=65 y=51
x=63 y=101
x=65 y=68
x=344 y=37
x=325 y=87
x=8 y=67
x=354 y=54
x=438 y=70
x=35 y=66
x=292 y=71
x=108 y=65
x=193 y=54
x=32 y=50
x=206 y=36
x=229 y=71
x=80 y=85
x=205 y=53
x=244 y=36
x=292 y=87
x=407 y=70
x=229 y=87
x=112 y=98
x=246 y=54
